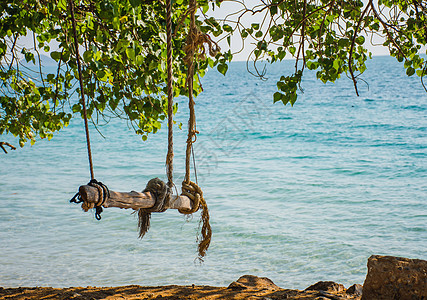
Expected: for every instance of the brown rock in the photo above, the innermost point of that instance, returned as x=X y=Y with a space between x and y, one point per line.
x=253 y=282
x=392 y=277
x=328 y=286
x=237 y=286
x=355 y=289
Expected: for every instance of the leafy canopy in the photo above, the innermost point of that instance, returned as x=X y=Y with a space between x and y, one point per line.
x=329 y=36
x=123 y=48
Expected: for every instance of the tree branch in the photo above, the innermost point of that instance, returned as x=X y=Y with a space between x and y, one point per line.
x=12 y=49
x=2 y=144
x=386 y=26
x=353 y=41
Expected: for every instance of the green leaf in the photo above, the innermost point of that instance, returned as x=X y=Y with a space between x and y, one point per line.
x=336 y=64
x=55 y=55
x=227 y=28
x=102 y=75
x=277 y=96
x=410 y=71
x=222 y=68
x=360 y=40
x=273 y=10
x=311 y=65
x=375 y=26
x=130 y=53
x=293 y=98
x=97 y=55
x=62 y=4
x=205 y=8
x=281 y=54
x=281 y=86
x=87 y=56
x=285 y=99
x=76 y=108
x=122 y=44
x=50 y=77
x=343 y=42
x=139 y=60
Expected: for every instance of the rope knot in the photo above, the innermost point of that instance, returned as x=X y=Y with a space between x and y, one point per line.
x=196 y=44
x=197 y=40
x=103 y=194
x=194 y=192
x=192 y=136
x=161 y=193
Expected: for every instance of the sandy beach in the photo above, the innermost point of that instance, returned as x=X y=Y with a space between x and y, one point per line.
x=246 y=287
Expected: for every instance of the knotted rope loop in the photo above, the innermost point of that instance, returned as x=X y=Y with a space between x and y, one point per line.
x=192 y=136
x=195 y=193
x=76 y=198
x=161 y=192
x=103 y=195
x=196 y=42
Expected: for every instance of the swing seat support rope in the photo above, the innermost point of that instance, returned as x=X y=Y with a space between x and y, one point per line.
x=157 y=196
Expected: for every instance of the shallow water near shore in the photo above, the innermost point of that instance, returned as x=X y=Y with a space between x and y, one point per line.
x=297 y=194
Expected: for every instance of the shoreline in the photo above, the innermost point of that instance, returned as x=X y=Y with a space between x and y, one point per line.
x=388 y=277
x=246 y=287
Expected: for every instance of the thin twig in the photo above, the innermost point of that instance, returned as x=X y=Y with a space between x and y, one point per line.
x=12 y=49
x=353 y=41
x=2 y=144
x=57 y=82
x=40 y=61
x=386 y=26
x=423 y=73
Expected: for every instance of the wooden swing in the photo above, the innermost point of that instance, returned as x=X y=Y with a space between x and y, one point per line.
x=157 y=196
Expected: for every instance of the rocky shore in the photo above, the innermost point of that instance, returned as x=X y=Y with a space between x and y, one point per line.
x=246 y=287
x=388 y=278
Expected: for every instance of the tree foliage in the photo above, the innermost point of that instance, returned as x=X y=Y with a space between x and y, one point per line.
x=329 y=36
x=123 y=47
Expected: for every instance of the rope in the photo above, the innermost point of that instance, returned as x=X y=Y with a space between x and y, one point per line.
x=195 y=193
x=169 y=156
x=190 y=49
x=76 y=46
x=103 y=195
x=195 y=47
x=196 y=40
x=161 y=192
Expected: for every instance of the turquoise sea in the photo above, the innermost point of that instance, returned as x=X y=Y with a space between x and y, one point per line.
x=297 y=194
